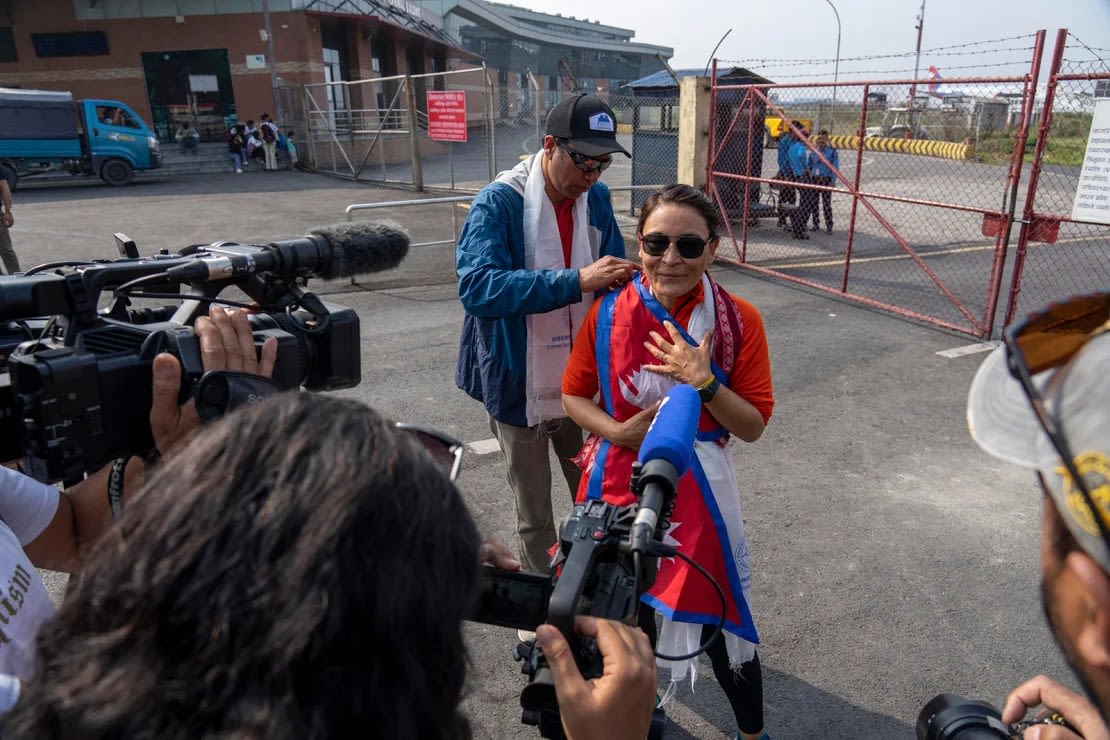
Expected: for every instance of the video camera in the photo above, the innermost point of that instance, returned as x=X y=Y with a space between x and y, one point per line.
x=77 y=388
x=606 y=561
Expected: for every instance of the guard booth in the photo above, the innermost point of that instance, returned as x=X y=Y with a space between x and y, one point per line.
x=739 y=117
x=655 y=114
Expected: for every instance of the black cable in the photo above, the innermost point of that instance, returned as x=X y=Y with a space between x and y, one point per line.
x=54 y=265
x=197 y=298
x=718 y=628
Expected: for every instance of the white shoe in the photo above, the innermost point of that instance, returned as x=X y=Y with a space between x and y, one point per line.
x=526 y=635
x=238 y=170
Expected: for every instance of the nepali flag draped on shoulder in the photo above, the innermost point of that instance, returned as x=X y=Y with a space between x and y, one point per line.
x=706 y=524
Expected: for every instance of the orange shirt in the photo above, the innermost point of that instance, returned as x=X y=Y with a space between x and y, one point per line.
x=751 y=372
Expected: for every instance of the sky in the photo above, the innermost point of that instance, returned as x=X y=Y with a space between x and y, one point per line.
x=807 y=30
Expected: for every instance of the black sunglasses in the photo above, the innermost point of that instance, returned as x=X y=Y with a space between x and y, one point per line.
x=1049 y=339
x=445 y=450
x=689 y=247
x=582 y=162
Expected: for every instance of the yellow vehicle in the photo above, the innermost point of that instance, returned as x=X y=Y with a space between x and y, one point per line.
x=775 y=126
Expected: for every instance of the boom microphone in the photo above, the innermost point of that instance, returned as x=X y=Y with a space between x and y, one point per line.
x=664 y=456
x=330 y=252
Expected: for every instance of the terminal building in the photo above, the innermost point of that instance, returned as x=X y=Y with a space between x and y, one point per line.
x=211 y=61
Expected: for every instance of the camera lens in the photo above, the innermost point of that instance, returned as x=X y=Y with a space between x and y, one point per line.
x=952 y=717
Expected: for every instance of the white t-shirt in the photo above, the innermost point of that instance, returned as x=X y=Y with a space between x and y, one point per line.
x=26 y=508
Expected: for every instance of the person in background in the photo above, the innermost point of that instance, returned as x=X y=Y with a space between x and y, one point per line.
x=798 y=157
x=787 y=195
x=269 y=134
x=237 y=147
x=7 y=220
x=1042 y=401
x=674 y=324
x=537 y=244
x=820 y=174
x=291 y=150
x=188 y=139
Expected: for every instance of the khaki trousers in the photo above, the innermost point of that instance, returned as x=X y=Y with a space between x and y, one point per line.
x=529 y=473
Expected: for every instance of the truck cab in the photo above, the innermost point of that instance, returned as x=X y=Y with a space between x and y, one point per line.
x=119 y=142
x=45 y=131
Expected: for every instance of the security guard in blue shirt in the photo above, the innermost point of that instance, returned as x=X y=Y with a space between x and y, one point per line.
x=786 y=194
x=822 y=175
x=798 y=159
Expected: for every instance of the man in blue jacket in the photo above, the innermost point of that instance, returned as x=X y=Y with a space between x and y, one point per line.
x=798 y=159
x=538 y=243
x=786 y=194
x=822 y=175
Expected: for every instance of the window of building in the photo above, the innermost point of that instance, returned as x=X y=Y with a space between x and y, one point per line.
x=77 y=44
x=7 y=46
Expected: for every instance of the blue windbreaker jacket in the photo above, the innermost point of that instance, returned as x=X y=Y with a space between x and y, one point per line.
x=497 y=292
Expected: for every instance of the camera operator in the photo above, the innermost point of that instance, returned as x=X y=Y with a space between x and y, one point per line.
x=46 y=528
x=1042 y=401
x=299 y=570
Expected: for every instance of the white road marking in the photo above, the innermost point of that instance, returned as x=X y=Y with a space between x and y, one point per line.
x=969 y=349
x=483 y=446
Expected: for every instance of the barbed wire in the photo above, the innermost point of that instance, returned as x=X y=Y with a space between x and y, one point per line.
x=939 y=51
x=1088 y=48
x=941 y=81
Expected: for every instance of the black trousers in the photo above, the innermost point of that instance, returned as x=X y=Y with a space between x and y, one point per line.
x=807 y=204
x=744 y=688
x=825 y=196
x=786 y=196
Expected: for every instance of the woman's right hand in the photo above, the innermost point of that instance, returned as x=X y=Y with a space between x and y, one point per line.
x=630 y=433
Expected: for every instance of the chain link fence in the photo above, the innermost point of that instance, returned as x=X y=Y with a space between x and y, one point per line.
x=1052 y=243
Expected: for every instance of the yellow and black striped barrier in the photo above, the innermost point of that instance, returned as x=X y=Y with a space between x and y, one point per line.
x=921 y=147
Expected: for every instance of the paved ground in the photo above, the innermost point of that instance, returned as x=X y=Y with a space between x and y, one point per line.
x=892 y=559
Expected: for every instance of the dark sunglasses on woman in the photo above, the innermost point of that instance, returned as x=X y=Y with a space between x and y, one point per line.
x=689 y=247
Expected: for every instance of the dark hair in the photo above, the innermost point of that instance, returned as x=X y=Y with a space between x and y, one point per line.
x=300 y=570
x=823 y=132
x=683 y=195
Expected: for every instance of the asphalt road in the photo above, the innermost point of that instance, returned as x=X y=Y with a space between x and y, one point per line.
x=892 y=559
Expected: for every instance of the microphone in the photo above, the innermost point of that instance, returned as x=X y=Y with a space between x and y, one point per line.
x=340 y=250
x=664 y=458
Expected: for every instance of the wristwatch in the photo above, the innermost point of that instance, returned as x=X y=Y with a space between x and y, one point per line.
x=708 y=389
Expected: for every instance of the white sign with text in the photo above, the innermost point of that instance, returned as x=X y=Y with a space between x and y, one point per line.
x=1092 y=195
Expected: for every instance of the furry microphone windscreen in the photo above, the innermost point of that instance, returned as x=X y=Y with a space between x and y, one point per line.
x=360 y=247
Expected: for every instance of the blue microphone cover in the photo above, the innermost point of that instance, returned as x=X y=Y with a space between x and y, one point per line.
x=671 y=434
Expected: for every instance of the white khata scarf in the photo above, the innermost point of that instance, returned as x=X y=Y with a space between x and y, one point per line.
x=550 y=334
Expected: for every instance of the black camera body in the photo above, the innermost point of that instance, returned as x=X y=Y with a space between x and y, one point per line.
x=78 y=389
x=594 y=573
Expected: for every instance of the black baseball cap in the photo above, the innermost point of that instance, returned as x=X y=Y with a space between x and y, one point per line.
x=588 y=123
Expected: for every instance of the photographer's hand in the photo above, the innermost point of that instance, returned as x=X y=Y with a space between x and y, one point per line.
x=226 y=343
x=1041 y=690
x=498 y=555
x=618 y=704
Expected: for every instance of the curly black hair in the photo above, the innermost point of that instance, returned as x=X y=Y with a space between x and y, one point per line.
x=300 y=570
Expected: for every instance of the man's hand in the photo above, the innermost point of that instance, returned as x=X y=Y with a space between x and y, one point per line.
x=618 y=704
x=9 y=219
x=1041 y=690
x=498 y=555
x=226 y=343
x=607 y=272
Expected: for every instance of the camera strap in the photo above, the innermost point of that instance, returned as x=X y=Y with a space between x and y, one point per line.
x=221 y=391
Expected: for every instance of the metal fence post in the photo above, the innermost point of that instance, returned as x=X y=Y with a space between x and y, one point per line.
x=414 y=136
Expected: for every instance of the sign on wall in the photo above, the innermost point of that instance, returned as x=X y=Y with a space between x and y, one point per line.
x=1092 y=195
x=256 y=61
x=447 y=115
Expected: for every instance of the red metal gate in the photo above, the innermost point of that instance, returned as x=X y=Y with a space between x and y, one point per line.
x=1057 y=255
x=921 y=225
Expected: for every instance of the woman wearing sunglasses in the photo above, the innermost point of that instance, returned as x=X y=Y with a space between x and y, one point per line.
x=673 y=324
